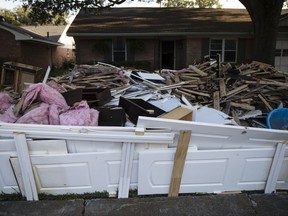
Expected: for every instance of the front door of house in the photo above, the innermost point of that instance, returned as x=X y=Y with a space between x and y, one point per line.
x=167 y=54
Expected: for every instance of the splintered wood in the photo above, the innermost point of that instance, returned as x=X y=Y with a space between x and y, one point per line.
x=100 y=75
x=239 y=91
x=233 y=90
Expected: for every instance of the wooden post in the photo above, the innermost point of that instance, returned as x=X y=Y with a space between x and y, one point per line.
x=179 y=162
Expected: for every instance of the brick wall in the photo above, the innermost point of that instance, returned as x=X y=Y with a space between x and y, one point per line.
x=85 y=54
x=60 y=55
x=193 y=50
x=147 y=54
x=10 y=49
x=37 y=54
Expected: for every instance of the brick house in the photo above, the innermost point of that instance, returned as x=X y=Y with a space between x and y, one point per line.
x=169 y=38
x=27 y=46
x=56 y=33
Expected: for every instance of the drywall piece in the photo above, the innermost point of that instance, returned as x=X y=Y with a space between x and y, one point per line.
x=166 y=104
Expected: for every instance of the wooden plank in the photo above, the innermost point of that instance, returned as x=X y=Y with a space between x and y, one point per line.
x=179 y=113
x=242 y=105
x=2 y=76
x=264 y=82
x=216 y=103
x=235 y=117
x=195 y=92
x=237 y=90
x=265 y=102
x=222 y=88
x=198 y=71
x=179 y=162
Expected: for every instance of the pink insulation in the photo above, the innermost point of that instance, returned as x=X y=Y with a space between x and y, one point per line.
x=80 y=114
x=52 y=110
x=8 y=116
x=5 y=101
x=43 y=92
x=39 y=115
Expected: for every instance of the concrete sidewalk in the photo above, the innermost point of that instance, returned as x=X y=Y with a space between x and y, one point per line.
x=222 y=205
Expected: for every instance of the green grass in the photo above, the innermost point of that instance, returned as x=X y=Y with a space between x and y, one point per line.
x=42 y=196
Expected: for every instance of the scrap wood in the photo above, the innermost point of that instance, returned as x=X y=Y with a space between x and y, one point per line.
x=254 y=86
x=198 y=71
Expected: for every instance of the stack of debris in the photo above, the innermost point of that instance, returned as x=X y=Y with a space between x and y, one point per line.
x=245 y=92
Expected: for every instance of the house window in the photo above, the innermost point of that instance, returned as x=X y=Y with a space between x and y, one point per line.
x=119 y=50
x=281 y=55
x=227 y=48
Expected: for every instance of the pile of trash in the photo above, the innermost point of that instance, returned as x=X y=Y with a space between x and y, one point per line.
x=216 y=93
x=43 y=104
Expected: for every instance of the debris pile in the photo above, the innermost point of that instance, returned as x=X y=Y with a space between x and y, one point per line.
x=241 y=91
x=246 y=93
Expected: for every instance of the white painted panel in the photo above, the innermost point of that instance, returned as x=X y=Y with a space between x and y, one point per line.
x=282 y=182
x=62 y=175
x=81 y=146
x=7 y=145
x=8 y=182
x=47 y=147
x=79 y=173
x=18 y=175
x=206 y=170
x=93 y=176
x=214 y=136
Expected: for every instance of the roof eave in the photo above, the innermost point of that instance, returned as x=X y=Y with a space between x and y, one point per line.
x=25 y=37
x=248 y=34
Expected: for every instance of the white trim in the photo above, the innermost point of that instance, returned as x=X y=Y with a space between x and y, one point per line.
x=275 y=168
x=25 y=166
x=223 y=48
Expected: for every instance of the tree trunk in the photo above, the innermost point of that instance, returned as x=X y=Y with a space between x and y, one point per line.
x=265 y=15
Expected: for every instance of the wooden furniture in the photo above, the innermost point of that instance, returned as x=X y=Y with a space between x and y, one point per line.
x=16 y=74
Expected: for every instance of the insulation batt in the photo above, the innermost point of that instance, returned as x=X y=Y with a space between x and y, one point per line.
x=8 y=116
x=53 y=109
x=5 y=101
x=44 y=93
x=80 y=114
x=39 y=115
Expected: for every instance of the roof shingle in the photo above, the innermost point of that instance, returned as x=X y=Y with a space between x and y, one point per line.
x=160 y=20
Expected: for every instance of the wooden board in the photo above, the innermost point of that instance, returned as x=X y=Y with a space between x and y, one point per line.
x=179 y=162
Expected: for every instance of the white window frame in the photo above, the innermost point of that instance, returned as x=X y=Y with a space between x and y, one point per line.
x=223 y=48
x=113 y=51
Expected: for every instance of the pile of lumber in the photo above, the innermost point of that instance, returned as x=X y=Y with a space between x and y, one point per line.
x=99 y=76
x=234 y=90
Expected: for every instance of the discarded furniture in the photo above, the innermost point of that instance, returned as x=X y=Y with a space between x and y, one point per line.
x=17 y=74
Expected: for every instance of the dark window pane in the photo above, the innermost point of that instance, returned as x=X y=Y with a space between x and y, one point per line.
x=230 y=56
x=119 y=56
x=285 y=52
x=278 y=52
x=213 y=54
x=118 y=45
x=216 y=45
x=230 y=44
